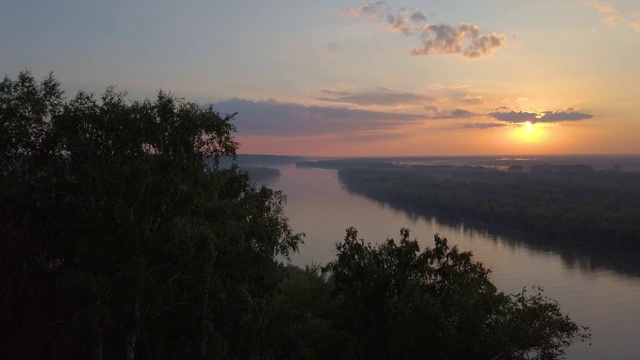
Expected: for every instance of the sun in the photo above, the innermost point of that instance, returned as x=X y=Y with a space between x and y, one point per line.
x=528 y=132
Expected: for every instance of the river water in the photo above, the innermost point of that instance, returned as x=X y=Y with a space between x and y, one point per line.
x=595 y=289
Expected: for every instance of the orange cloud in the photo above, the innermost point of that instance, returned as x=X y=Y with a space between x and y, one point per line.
x=602 y=7
x=614 y=15
x=370 y=9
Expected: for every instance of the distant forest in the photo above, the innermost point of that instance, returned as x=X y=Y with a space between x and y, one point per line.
x=261 y=174
x=558 y=202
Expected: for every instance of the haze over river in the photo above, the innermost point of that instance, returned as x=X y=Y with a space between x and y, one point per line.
x=593 y=288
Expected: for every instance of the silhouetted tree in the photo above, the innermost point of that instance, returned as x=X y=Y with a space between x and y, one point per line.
x=396 y=302
x=116 y=241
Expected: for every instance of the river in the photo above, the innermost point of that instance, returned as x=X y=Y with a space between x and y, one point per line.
x=595 y=290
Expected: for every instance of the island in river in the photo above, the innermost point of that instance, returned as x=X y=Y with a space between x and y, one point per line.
x=595 y=204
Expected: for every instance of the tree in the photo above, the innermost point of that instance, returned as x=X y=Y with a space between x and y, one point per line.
x=304 y=316
x=121 y=236
x=398 y=302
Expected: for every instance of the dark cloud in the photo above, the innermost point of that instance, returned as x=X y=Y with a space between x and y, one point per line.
x=383 y=97
x=406 y=23
x=464 y=40
x=276 y=118
x=431 y=109
x=514 y=117
x=334 y=92
x=418 y=16
x=455 y=114
x=547 y=116
x=435 y=114
x=400 y=23
x=484 y=125
x=552 y=116
x=461 y=113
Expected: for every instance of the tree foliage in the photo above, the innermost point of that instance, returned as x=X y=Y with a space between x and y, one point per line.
x=117 y=241
x=594 y=208
x=397 y=302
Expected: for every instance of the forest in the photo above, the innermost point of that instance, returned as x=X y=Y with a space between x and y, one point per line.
x=557 y=202
x=122 y=236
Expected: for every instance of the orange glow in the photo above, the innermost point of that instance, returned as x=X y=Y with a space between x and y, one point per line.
x=529 y=133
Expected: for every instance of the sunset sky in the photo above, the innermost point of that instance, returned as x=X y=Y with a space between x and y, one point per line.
x=342 y=78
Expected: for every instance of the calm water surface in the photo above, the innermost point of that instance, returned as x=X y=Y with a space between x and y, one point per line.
x=594 y=290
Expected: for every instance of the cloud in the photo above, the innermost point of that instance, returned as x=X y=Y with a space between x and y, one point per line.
x=473 y=126
x=613 y=20
x=552 y=116
x=273 y=117
x=437 y=86
x=458 y=113
x=613 y=15
x=370 y=9
x=431 y=109
x=406 y=23
x=483 y=125
x=400 y=23
x=382 y=97
x=636 y=25
x=334 y=92
x=464 y=40
x=601 y=7
x=473 y=100
x=514 y=117
x=418 y=16
x=544 y=117
x=455 y=114
x=431 y=98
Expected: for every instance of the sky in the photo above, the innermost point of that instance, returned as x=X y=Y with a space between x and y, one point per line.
x=349 y=78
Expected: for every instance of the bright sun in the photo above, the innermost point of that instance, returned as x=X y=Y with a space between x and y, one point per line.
x=528 y=132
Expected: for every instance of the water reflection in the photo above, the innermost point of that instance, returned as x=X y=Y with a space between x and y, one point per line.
x=573 y=254
x=596 y=288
